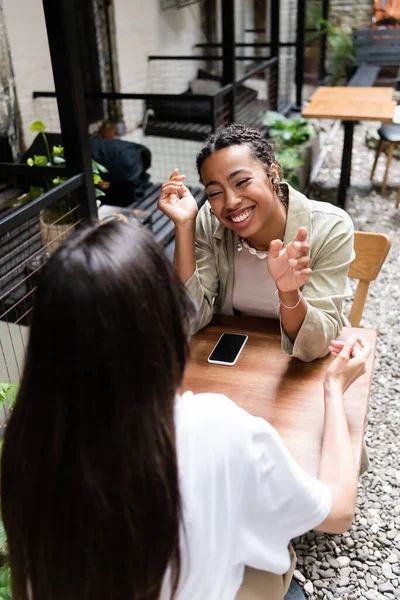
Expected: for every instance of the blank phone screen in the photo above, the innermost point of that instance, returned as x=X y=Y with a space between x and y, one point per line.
x=228 y=347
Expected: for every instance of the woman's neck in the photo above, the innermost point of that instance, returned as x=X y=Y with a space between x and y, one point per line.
x=274 y=229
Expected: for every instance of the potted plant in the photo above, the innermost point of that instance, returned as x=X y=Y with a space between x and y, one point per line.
x=296 y=144
x=107 y=129
x=341 y=57
x=57 y=220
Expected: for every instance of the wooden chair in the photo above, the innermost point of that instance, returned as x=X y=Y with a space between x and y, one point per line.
x=371 y=251
x=390 y=135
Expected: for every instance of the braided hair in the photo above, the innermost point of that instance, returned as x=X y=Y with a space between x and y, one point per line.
x=237 y=134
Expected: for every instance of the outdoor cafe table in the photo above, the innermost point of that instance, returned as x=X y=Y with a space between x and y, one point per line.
x=286 y=392
x=350 y=104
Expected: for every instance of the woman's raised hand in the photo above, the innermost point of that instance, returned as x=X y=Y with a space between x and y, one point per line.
x=290 y=266
x=349 y=363
x=176 y=201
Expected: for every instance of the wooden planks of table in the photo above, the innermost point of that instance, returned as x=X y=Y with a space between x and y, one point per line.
x=350 y=104
x=286 y=392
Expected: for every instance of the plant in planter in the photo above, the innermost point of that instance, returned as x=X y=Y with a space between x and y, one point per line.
x=57 y=219
x=294 y=140
x=341 y=55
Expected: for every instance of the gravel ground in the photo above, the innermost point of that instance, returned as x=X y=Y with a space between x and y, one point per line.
x=365 y=562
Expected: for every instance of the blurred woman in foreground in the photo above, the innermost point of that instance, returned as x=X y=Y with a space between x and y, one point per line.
x=114 y=486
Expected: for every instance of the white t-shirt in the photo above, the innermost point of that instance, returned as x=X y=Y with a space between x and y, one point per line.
x=244 y=497
x=254 y=290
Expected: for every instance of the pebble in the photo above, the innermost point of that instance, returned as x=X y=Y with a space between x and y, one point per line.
x=372 y=595
x=392 y=558
x=387 y=571
x=333 y=562
x=328 y=573
x=308 y=587
x=299 y=576
x=343 y=561
x=385 y=587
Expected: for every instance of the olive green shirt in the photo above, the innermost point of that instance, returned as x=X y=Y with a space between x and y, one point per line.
x=330 y=234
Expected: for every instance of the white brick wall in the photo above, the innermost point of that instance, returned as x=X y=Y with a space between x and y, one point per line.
x=143 y=29
x=30 y=58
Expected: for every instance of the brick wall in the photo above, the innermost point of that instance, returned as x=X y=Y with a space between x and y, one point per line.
x=354 y=13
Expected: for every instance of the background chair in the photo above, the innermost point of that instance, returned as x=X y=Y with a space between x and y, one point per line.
x=371 y=251
x=388 y=134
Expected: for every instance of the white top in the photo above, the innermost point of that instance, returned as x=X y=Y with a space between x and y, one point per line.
x=244 y=497
x=253 y=287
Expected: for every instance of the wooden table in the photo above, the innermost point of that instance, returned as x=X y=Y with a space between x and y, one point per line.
x=286 y=392
x=350 y=104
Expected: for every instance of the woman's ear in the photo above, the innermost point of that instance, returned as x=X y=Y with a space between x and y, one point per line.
x=274 y=174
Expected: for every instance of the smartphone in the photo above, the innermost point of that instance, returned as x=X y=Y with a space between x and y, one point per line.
x=228 y=348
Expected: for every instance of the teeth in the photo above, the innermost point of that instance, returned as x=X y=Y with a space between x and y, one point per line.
x=244 y=215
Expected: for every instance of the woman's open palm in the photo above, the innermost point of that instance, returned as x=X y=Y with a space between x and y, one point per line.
x=290 y=266
x=176 y=201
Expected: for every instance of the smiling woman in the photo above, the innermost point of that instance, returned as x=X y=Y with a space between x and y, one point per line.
x=258 y=247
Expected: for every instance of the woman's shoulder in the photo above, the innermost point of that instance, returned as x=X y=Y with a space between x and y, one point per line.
x=218 y=419
x=209 y=409
x=318 y=210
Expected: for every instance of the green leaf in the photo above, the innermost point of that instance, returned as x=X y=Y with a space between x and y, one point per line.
x=8 y=393
x=289 y=159
x=30 y=162
x=38 y=126
x=5 y=576
x=57 y=180
x=3 y=537
x=98 y=168
x=272 y=118
x=58 y=151
x=99 y=193
x=40 y=160
x=96 y=179
x=35 y=191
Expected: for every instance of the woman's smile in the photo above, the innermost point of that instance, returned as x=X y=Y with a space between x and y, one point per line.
x=242 y=217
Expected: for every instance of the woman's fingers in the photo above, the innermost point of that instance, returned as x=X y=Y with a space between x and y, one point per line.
x=175 y=173
x=171 y=188
x=274 y=248
x=348 y=347
x=301 y=235
x=300 y=263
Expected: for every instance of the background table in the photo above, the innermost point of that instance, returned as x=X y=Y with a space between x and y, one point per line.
x=350 y=104
x=286 y=392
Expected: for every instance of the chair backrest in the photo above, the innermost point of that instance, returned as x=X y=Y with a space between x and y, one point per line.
x=371 y=251
x=377 y=46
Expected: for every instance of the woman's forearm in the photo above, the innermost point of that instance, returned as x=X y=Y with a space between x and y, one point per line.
x=338 y=465
x=292 y=318
x=184 y=255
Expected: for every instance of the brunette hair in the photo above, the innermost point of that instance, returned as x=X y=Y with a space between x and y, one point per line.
x=240 y=135
x=89 y=476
